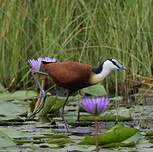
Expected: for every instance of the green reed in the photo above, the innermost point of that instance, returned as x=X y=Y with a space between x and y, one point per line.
x=84 y=30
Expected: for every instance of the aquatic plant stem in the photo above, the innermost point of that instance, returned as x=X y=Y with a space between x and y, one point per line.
x=96 y=135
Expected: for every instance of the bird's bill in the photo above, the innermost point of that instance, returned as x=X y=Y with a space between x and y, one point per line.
x=124 y=68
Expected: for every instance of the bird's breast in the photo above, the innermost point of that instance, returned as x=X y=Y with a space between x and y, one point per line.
x=95 y=78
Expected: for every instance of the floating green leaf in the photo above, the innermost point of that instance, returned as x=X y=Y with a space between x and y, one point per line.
x=6 y=141
x=24 y=141
x=151 y=140
x=95 y=90
x=18 y=95
x=59 y=141
x=57 y=136
x=117 y=98
x=118 y=134
x=13 y=133
x=11 y=109
x=104 y=118
x=115 y=145
x=149 y=134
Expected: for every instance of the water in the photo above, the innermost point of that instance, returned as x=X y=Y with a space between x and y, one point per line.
x=49 y=134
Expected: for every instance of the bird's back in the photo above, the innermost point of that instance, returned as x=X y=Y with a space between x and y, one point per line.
x=69 y=75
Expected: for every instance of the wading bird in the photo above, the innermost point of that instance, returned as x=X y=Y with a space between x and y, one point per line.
x=74 y=76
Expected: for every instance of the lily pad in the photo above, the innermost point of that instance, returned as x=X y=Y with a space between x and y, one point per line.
x=104 y=118
x=115 y=145
x=11 y=109
x=18 y=95
x=121 y=114
x=120 y=111
x=6 y=141
x=59 y=141
x=13 y=133
x=116 y=98
x=26 y=133
x=57 y=136
x=151 y=140
x=149 y=134
x=95 y=90
x=25 y=141
x=118 y=134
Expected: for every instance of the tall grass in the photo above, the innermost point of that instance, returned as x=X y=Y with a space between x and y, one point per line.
x=84 y=30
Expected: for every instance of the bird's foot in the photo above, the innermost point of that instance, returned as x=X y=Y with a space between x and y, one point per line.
x=64 y=121
x=66 y=126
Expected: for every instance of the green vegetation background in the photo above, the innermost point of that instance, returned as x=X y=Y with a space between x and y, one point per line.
x=85 y=30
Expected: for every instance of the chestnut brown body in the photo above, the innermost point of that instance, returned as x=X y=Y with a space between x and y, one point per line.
x=70 y=75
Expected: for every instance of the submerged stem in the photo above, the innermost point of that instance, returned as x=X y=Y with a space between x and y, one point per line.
x=96 y=135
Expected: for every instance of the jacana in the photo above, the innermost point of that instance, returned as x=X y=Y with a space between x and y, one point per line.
x=74 y=76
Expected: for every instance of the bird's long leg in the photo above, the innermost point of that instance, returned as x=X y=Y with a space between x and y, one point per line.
x=42 y=94
x=62 y=113
x=39 y=104
x=78 y=117
x=40 y=101
x=35 y=76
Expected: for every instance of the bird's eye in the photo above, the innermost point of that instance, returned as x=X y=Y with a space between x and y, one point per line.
x=116 y=63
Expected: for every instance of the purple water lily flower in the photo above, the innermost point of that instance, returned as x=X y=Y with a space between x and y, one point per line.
x=36 y=63
x=95 y=105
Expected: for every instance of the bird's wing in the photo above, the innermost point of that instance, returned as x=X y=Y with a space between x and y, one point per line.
x=68 y=72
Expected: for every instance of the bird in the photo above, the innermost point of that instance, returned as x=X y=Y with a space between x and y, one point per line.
x=73 y=76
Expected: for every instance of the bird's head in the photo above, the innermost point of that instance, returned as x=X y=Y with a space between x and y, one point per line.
x=113 y=64
x=105 y=69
